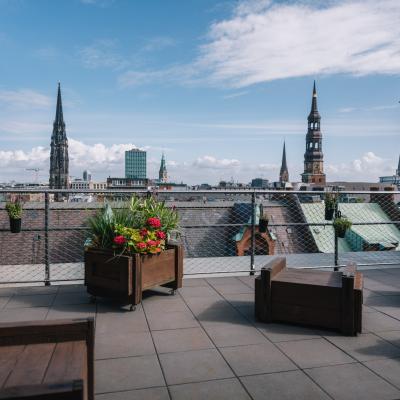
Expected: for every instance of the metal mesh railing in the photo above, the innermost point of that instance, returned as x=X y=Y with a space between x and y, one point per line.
x=221 y=231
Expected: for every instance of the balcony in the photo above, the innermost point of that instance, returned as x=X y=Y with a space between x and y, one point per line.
x=204 y=342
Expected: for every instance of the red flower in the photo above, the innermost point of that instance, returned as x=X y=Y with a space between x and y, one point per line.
x=143 y=232
x=154 y=222
x=160 y=235
x=152 y=243
x=119 y=240
x=141 y=245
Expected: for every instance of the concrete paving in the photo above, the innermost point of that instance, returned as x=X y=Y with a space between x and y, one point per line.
x=204 y=343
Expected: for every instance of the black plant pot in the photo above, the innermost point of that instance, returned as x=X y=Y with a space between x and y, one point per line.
x=15 y=225
x=263 y=225
x=329 y=213
x=341 y=232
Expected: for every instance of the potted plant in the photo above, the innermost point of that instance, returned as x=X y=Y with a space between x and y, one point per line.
x=128 y=251
x=263 y=224
x=330 y=204
x=14 y=211
x=341 y=225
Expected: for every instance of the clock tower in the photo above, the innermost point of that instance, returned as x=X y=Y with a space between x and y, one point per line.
x=313 y=157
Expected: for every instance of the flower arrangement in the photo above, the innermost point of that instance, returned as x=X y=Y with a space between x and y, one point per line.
x=141 y=226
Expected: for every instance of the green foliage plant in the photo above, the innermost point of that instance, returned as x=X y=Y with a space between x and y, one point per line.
x=14 y=209
x=341 y=225
x=330 y=201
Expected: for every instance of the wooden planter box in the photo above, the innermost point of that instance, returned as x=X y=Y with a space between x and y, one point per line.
x=124 y=278
x=47 y=360
x=324 y=299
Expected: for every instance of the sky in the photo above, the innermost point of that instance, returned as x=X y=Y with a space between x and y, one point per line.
x=217 y=85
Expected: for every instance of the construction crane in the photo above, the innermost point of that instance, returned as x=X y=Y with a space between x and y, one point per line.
x=36 y=170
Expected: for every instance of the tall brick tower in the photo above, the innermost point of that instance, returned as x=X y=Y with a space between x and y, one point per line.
x=313 y=157
x=59 y=162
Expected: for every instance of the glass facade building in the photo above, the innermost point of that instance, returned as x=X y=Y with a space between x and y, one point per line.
x=135 y=164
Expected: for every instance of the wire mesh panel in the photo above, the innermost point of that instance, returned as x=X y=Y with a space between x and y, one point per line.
x=22 y=255
x=221 y=231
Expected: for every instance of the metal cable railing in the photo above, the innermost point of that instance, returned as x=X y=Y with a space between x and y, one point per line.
x=221 y=231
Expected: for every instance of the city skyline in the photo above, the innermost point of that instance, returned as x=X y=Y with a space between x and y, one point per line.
x=124 y=86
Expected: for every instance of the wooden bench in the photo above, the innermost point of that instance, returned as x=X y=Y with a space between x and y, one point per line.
x=45 y=360
x=324 y=299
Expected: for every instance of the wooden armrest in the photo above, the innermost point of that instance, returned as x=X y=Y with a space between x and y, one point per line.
x=276 y=266
x=30 y=332
x=67 y=334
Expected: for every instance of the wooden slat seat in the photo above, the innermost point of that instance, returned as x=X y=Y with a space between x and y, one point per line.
x=320 y=298
x=47 y=360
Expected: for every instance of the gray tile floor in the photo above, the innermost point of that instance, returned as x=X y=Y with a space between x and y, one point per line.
x=203 y=343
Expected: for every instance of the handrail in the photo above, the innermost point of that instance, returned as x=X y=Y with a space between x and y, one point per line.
x=194 y=192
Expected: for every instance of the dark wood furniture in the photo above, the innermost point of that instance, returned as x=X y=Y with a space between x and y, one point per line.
x=124 y=278
x=45 y=360
x=324 y=299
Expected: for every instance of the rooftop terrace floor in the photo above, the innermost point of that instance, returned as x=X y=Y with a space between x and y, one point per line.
x=203 y=343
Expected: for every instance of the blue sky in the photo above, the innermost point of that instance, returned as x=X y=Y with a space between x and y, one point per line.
x=217 y=85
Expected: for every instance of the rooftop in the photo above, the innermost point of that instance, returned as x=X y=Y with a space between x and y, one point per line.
x=204 y=343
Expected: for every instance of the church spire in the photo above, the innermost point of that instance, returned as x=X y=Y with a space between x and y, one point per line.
x=59 y=120
x=284 y=173
x=59 y=161
x=314 y=114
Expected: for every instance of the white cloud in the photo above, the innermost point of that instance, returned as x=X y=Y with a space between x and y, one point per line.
x=366 y=168
x=24 y=98
x=97 y=155
x=99 y=158
x=265 y=40
x=12 y=158
x=215 y=163
x=108 y=160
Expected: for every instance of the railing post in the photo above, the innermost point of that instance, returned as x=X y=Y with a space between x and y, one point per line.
x=46 y=239
x=336 y=215
x=253 y=232
x=336 y=253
